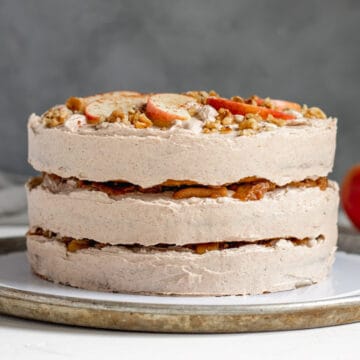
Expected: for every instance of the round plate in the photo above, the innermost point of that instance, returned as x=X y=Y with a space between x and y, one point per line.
x=332 y=302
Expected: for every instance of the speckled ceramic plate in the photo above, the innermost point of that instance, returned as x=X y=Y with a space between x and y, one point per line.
x=334 y=301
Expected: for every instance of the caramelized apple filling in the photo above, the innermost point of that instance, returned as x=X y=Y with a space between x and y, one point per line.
x=73 y=245
x=247 y=189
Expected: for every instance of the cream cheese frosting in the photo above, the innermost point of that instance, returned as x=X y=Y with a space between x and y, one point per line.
x=147 y=157
x=250 y=269
x=150 y=219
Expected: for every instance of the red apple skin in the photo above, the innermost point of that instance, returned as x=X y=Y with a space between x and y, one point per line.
x=241 y=108
x=350 y=195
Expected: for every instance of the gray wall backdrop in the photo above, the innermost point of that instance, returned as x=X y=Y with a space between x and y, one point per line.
x=308 y=51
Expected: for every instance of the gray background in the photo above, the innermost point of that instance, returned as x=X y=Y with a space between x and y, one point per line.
x=307 y=51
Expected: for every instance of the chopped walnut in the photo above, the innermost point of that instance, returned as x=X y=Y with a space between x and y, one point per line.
x=201 y=96
x=249 y=123
x=193 y=110
x=76 y=104
x=237 y=99
x=313 y=113
x=273 y=120
x=143 y=122
x=253 y=100
x=211 y=126
x=225 y=116
x=56 y=116
x=225 y=130
x=254 y=116
x=116 y=116
x=247 y=132
x=268 y=103
x=139 y=120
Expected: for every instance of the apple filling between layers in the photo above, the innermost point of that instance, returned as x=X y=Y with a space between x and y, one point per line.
x=246 y=189
x=73 y=245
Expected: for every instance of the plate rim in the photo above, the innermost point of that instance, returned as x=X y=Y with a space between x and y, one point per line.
x=173 y=309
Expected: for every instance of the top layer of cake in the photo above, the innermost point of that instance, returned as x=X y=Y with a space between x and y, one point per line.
x=200 y=137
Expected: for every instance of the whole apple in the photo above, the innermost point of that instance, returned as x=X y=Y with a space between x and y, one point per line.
x=350 y=195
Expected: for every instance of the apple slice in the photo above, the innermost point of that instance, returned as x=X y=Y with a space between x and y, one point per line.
x=110 y=95
x=350 y=195
x=163 y=109
x=279 y=104
x=102 y=108
x=79 y=103
x=239 y=108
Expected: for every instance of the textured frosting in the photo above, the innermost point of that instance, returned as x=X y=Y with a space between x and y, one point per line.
x=148 y=157
x=251 y=269
x=150 y=219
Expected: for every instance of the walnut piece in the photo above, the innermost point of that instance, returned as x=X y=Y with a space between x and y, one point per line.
x=268 y=103
x=116 y=116
x=139 y=120
x=249 y=122
x=201 y=96
x=276 y=121
x=56 y=116
x=76 y=104
x=237 y=99
x=313 y=113
x=225 y=116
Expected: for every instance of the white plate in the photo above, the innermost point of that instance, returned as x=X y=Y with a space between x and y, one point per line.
x=344 y=281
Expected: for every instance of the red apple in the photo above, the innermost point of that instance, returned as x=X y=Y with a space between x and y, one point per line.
x=350 y=194
x=242 y=108
x=163 y=109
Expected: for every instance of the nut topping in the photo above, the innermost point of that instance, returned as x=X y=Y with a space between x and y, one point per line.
x=56 y=116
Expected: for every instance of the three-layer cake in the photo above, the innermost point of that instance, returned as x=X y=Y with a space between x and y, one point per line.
x=187 y=194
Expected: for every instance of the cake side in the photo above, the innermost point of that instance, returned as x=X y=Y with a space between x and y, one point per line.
x=250 y=269
x=146 y=158
x=150 y=219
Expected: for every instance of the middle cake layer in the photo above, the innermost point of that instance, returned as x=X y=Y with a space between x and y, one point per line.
x=150 y=219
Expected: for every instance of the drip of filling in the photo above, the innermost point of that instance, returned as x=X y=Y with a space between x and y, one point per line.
x=246 y=189
x=73 y=245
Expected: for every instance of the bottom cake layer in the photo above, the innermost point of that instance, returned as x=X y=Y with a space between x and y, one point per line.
x=255 y=268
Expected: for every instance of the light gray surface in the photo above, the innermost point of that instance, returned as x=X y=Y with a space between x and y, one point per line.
x=307 y=51
x=12 y=200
